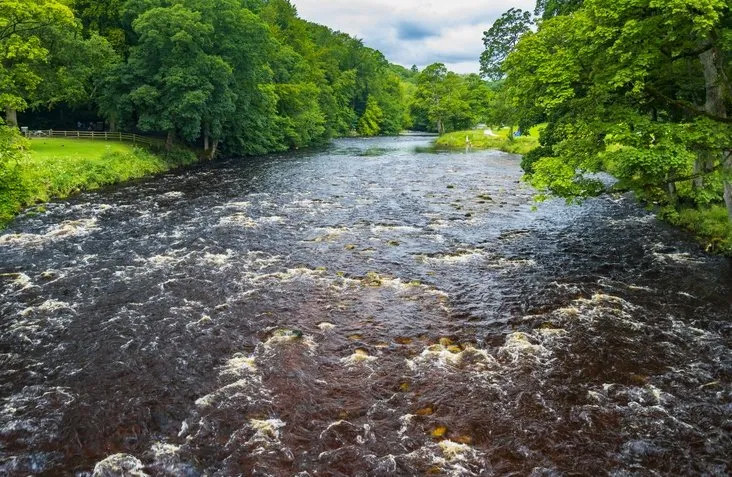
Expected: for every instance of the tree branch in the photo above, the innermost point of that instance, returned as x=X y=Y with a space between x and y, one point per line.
x=686 y=106
x=687 y=54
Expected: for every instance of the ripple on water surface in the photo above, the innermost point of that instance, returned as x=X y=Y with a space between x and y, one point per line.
x=347 y=313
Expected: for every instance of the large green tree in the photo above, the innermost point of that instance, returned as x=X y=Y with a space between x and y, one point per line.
x=638 y=88
x=26 y=28
x=501 y=39
x=444 y=101
x=177 y=85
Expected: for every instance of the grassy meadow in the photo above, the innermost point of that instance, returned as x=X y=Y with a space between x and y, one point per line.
x=57 y=168
x=501 y=141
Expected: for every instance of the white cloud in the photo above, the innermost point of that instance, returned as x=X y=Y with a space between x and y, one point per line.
x=415 y=32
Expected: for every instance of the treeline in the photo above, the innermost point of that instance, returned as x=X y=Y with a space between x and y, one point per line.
x=247 y=75
x=639 y=89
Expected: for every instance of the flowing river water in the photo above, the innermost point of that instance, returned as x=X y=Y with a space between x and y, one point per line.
x=363 y=310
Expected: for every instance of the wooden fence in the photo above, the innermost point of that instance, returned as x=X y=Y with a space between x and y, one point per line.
x=98 y=135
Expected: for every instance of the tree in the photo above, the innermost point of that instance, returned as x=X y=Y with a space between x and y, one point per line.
x=501 y=39
x=551 y=8
x=444 y=101
x=25 y=29
x=178 y=86
x=369 y=124
x=638 y=89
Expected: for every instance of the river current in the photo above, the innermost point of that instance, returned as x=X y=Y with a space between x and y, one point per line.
x=363 y=310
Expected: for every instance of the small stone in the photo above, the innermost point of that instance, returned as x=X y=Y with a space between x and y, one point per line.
x=439 y=432
x=425 y=411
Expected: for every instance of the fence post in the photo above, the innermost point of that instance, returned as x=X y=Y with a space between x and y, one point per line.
x=77 y=134
x=134 y=139
x=92 y=135
x=64 y=133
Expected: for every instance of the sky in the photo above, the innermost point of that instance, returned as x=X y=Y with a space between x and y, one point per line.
x=414 y=32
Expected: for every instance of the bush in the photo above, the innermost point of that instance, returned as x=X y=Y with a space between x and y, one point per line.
x=710 y=225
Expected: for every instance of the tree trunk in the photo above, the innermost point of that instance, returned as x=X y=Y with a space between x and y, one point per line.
x=11 y=116
x=169 y=140
x=714 y=82
x=112 y=124
x=205 y=142
x=711 y=62
x=214 y=147
x=703 y=164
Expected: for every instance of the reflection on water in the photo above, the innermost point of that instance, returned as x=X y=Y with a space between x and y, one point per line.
x=363 y=310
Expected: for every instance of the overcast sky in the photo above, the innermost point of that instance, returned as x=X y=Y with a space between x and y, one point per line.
x=412 y=31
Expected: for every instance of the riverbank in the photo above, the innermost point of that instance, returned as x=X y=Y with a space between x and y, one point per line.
x=58 y=168
x=500 y=140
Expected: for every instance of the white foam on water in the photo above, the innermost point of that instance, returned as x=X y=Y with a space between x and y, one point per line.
x=359 y=356
x=454 y=451
x=406 y=422
x=284 y=337
x=20 y=281
x=218 y=259
x=459 y=257
x=48 y=306
x=503 y=262
x=519 y=343
x=120 y=465
x=447 y=355
x=238 y=220
x=61 y=231
x=328 y=234
x=238 y=365
x=249 y=388
x=406 y=229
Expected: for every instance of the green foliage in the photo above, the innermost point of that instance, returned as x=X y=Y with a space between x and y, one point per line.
x=251 y=75
x=626 y=91
x=369 y=124
x=477 y=139
x=710 y=224
x=27 y=34
x=57 y=168
x=13 y=151
x=501 y=39
x=444 y=101
x=552 y=8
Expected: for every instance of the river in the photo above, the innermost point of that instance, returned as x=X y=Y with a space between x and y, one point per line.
x=362 y=310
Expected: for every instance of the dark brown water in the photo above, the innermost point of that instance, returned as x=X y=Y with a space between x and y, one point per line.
x=366 y=310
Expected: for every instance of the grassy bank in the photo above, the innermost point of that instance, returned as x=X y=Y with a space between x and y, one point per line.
x=479 y=140
x=58 y=168
x=710 y=225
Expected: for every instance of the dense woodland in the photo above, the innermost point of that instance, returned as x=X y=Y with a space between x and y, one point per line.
x=247 y=76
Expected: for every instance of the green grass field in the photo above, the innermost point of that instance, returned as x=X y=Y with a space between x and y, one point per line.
x=43 y=149
x=58 y=168
x=501 y=140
